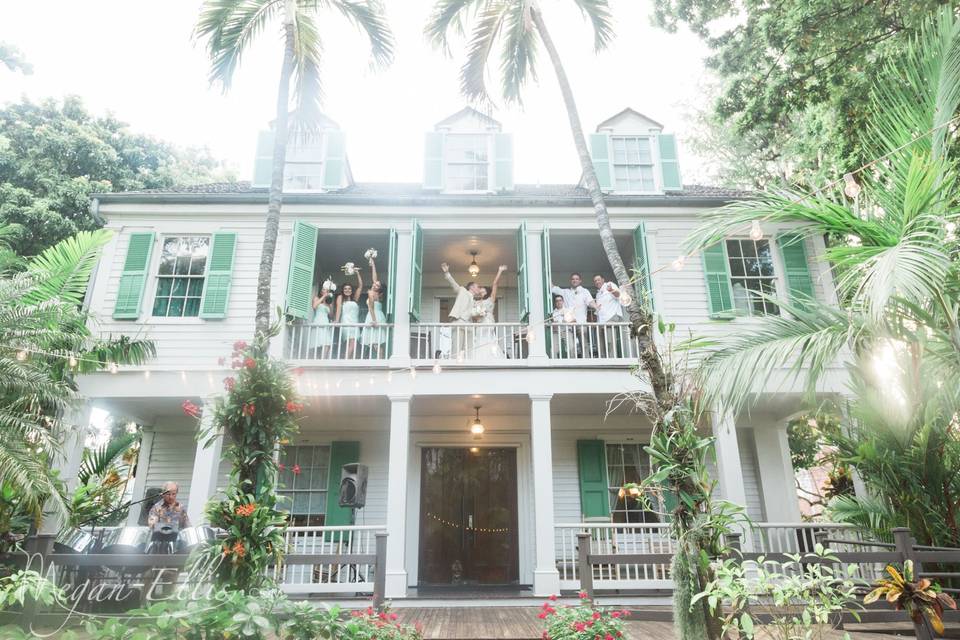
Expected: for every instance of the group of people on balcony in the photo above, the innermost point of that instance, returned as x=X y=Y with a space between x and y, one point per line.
x=337 y=331
x=475 y=304
x=574 y=307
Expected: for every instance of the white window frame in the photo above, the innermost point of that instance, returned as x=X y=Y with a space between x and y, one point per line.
x=654 y=162
x=612 y=489
x=155 y=276
x=285 y=491
x=321 y=150
x=488 y=136
x=777 y=277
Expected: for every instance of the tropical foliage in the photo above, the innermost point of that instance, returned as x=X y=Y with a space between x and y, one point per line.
x=230 y=27
x=44 y=342
x=257 y=412
x=792 y=97
x=921 y=599
x=898 y=326
x=104 y=474
x=54 y=155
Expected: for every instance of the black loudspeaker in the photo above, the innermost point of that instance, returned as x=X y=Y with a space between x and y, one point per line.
x=353 y=485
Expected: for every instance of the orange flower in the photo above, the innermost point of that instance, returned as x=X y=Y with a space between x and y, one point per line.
x=239 y=549
x=246 y=510
x=226 y=549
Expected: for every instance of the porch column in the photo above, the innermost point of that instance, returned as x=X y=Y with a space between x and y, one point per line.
x=396 y=584
x=776 y=474
x=400 y=354
x=546 y=578
x=206 y=464
x=537 y=349
x=729 y=468
x=140 y=480
x=75 y=426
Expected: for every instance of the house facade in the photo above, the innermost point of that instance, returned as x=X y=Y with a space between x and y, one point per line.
x=488 y=444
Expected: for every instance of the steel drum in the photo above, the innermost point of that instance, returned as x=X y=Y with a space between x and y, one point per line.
x=126 y=540
x=193 y=537
x=73 y=541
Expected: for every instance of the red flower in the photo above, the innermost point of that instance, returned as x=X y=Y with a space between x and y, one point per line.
x=221 y=361
x=542 y=615
x=619 y=634
x=614 y=614
x=190 y=409
x=296 y=472
x=596 y=615
x=553 y=596
x=235 y=364
x=383 y=616
x=625 y=613
x=545 y=636
x=546 y=605
x=584 y=595
x=293 y=407
x=239 y=346
x=298 y=371
x=229 y=383
x=608 y=637
x=394 y=616
x=282 y=467
x=249 y=363
x=579 y=627
x=369 y=609
x=248 y=409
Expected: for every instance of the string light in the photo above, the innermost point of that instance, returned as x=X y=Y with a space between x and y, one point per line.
x=436 y=368
x=756 y=233
x=183 y=376
x=679 y=263
x=531 y=336
x=370 y=380
x=21 y=355
x=851 y=187
x=113 y=367
x=73 y=362
x=356 y=385
x=146 y=374
x=461 y=355
x=389 y=376
x=413 y=372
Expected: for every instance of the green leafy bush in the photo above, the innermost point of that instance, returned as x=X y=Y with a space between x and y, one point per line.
x=583 y=621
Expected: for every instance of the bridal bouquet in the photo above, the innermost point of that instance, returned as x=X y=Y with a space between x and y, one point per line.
x=329 y=285
x=478 y=312
x=371 y=254
x=349 y=269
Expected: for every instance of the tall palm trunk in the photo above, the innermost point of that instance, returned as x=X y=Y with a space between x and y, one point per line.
x=640 y=318
x=272 y=226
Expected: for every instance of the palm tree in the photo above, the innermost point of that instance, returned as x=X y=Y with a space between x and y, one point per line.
x=518 y=27
x=230 y=27
x=894 y=247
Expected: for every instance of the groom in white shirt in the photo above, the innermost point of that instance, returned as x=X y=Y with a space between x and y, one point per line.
x=462 y=312
x=578 y=300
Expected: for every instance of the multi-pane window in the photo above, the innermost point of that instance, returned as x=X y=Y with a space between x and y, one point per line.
x=628 y=463
x=183 y=264
x=303 y=169
x=467 y=162
x=751 y=274
x=632 y=164
x=304 y=474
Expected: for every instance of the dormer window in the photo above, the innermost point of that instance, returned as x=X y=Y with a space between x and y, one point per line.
x=304 y=168
x=468 y=162
x=632 y=164
x=316 y=161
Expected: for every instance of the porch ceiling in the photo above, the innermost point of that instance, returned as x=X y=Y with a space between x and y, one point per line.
x=454 y=248
x=583 y=253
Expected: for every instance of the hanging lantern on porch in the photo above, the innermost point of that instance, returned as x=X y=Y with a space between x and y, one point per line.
x=474 y=268
x=477 y=427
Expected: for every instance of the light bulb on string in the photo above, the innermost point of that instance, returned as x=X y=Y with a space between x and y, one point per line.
x=413 y=373
x=356 y=384
x=460 y=356
x=436 y=368
x=370 y=380
x=146 y=374
x=568 y=316
x=679 y=263
x=389 y=376
x=851 y=187
x=72 y=362
x=756 y=233
x=183 y=376
x=531 y=337
x=113 y=367
x=21 y=355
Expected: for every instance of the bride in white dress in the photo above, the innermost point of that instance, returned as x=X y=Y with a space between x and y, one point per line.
x=487 y=342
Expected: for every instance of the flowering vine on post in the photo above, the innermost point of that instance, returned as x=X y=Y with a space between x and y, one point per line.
x=257 y=412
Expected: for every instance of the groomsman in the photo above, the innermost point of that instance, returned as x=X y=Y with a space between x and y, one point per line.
x=609 y=310
x=462 y=311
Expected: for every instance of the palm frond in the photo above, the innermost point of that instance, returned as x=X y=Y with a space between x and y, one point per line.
x=801 y=345
x=869 y=513
x=63 y=270
x=601 y=18
x=370 y=17
x=230 y=27
x=98 y=462
x=308 y=91
x=518 y=59
x=448 y=16
x=473 y=73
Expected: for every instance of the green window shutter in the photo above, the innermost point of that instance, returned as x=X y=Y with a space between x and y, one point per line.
x=133 y=280
x=669 y=164
x=600 y=154
x=793 y=251
x=592 y=470
x=547 y=283
x=716 y=271
x=643 y=279
x=263 y=161
x=416 y=271
x=433 y=161
x=523 y=277
x=341 y=453
x=334 y=159
x=216 y=286
x=303 y=254
x=503 y=156
x=392 y=276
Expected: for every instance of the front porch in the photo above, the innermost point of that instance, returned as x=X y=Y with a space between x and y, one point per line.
x=462 y=508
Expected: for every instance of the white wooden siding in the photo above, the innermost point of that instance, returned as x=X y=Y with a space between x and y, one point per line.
x=751 y=474
x=171 y=460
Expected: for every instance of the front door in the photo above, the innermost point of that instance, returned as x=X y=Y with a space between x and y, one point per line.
x=468 y=516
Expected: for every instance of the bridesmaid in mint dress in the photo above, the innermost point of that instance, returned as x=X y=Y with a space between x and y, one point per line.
x=374 y=333
x=348 y=313
x=322 y=325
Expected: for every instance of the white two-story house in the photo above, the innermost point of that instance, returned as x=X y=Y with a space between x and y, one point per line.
x=487 y=444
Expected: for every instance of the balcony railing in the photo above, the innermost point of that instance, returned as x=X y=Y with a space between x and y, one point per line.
x=338 y=342
x=326 y=577
x=592 y=341
x=470 y=343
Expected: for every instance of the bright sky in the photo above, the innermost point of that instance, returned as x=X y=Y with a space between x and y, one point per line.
x=137 y=59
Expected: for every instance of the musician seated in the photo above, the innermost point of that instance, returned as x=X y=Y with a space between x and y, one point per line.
x=168 y=511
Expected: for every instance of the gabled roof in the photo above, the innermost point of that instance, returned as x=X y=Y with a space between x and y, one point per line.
x=626 y=111
x=468 y=111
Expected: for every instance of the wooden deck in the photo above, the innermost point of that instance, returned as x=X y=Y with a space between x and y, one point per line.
x=521 y=623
